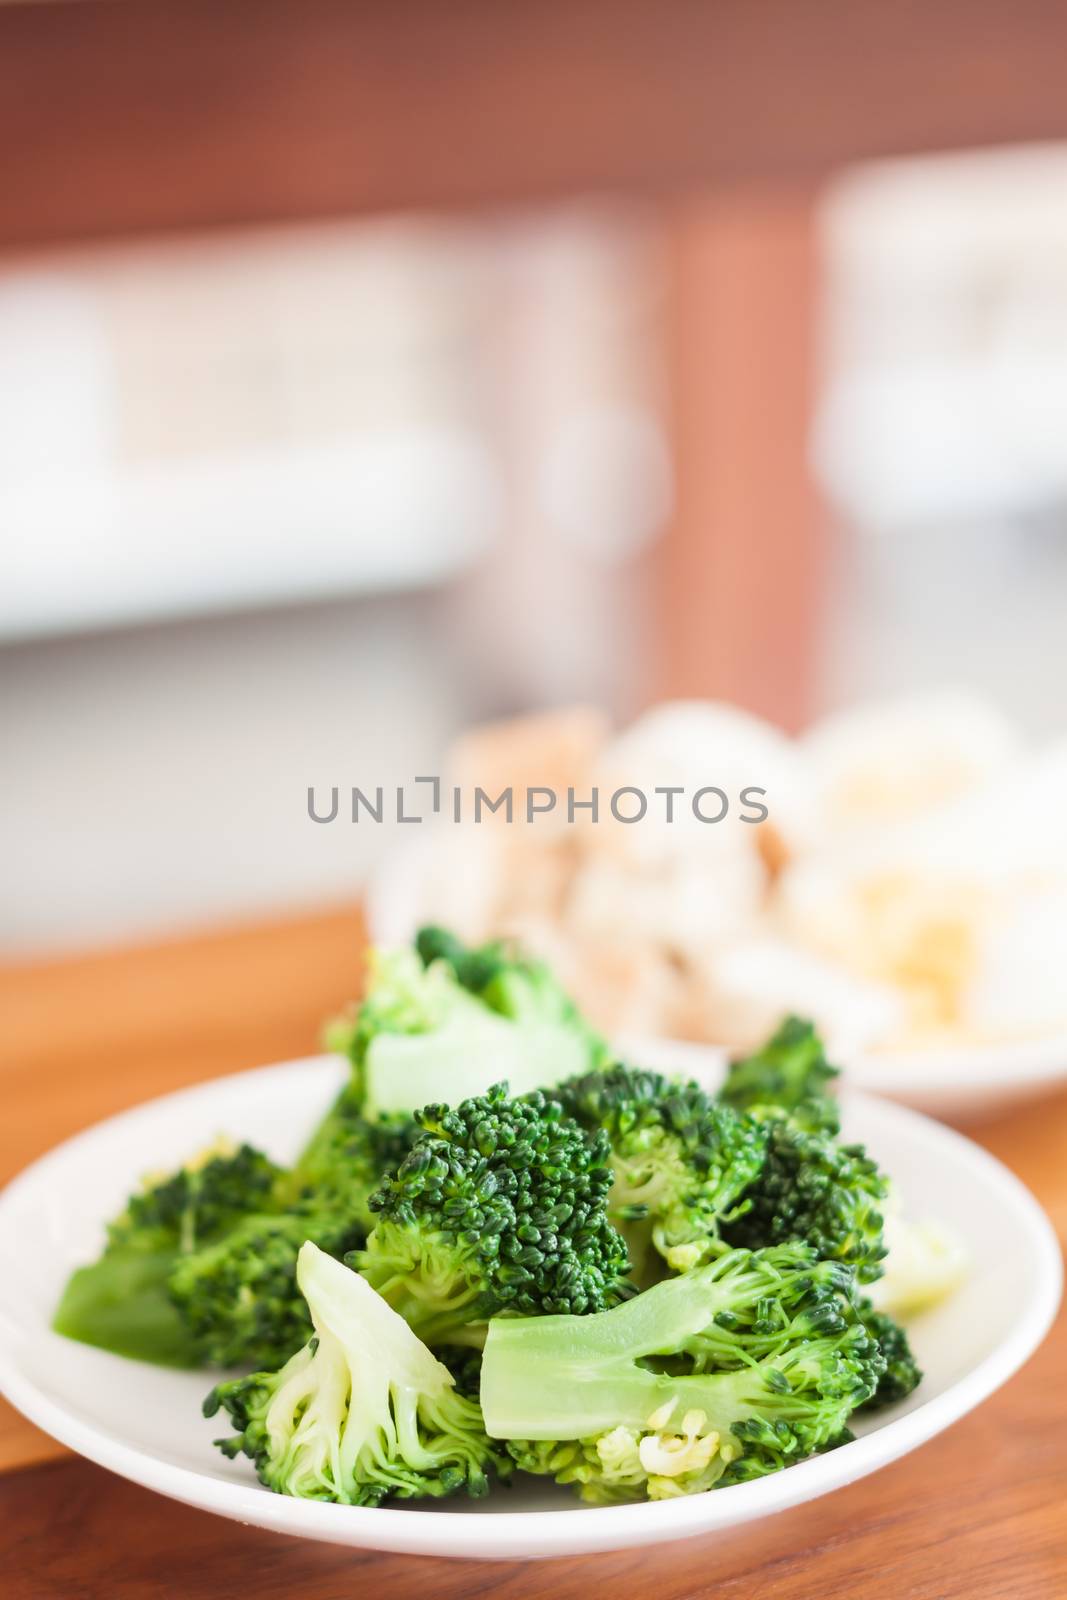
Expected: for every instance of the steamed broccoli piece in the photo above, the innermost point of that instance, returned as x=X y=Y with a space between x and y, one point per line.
x=475 y=966
x=681 y=1161
x=816 y=1190
x=200 y=1268
x=198 y=1201
x=500 y=1205
x=510 y=984
x=902 y=1372
x=619 y=1404
x=346 y=1159
x=455 y=1023
x=122 y=1302
x=238 y=1295
x=401 y=998
x=362 y=1412
x=790 y=1072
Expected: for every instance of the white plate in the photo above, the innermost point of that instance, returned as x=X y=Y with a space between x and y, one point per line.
x=144 y=1422
x=964 y=1082
x=959 y=1082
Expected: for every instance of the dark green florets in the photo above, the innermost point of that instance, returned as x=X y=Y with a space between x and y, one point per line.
x=682 y=1161
x=239 y=1298
x=475 y=966
x=767 y=1301
x=511 y=985
x=346 y=1159
x=813 y=1189
x=238 y=1295
x=790 y=1072
x=500 y=1206
x=902 y=1372
x=200 y=1200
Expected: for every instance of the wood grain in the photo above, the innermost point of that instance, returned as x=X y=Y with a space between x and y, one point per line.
x=976 y=1515
x=120 y=118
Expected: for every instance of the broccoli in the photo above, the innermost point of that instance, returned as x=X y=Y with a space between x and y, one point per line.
x=814 y=1189
x=239 y=1298
x=681 y=1161
x=198 y=1201
x=346 y=1159
x=238 y=1295
x=474 y=966
x=510 y=984
x=791 y=1072
x=902 y=1372
x=362 y=1412
x=500 y=1205
x=457 y=1024
x=122 y=1302
x=620 y=1405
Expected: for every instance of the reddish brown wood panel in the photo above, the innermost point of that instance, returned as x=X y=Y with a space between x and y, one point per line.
x=118 y=117
x=740 y=571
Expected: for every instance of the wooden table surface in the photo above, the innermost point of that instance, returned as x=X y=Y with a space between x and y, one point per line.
x=979 y=1514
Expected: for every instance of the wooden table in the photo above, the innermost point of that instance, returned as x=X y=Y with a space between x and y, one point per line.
x=978 y=1514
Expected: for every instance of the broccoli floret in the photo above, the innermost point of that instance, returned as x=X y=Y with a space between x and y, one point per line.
x=201 y=1266
x=510 y=984
x=459 y=1023
x=816 y=1190
x=122 y=1302
x=791 y=1072
x=681 y=1161
x=499 y=1206
x=902 y=1372
x=238 y=1295
x=475 y=966
x=198 y=1201
x=346 y=1159
x=618 y=1403
x=362 y=1412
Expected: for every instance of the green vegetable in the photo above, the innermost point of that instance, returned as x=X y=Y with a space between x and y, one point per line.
x=200 y=1200
x=902 y=1372
x=122 y=1302
x=362 y=1412
x=447 y=1021
x=500 y=1205
x=790 y=1072
x=508 y=983
x=814 y=1189
x=238 y=1296
x=681 y=1161
x=730 y=1371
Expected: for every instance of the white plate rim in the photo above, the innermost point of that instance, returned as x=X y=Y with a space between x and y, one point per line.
x=526 y=1534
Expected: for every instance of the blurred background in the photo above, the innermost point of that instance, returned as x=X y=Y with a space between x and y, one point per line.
x=314 y=452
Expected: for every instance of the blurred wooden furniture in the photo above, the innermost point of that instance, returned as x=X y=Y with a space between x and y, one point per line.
x=976 y=1515
x=118 y=117
x=121 y=117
